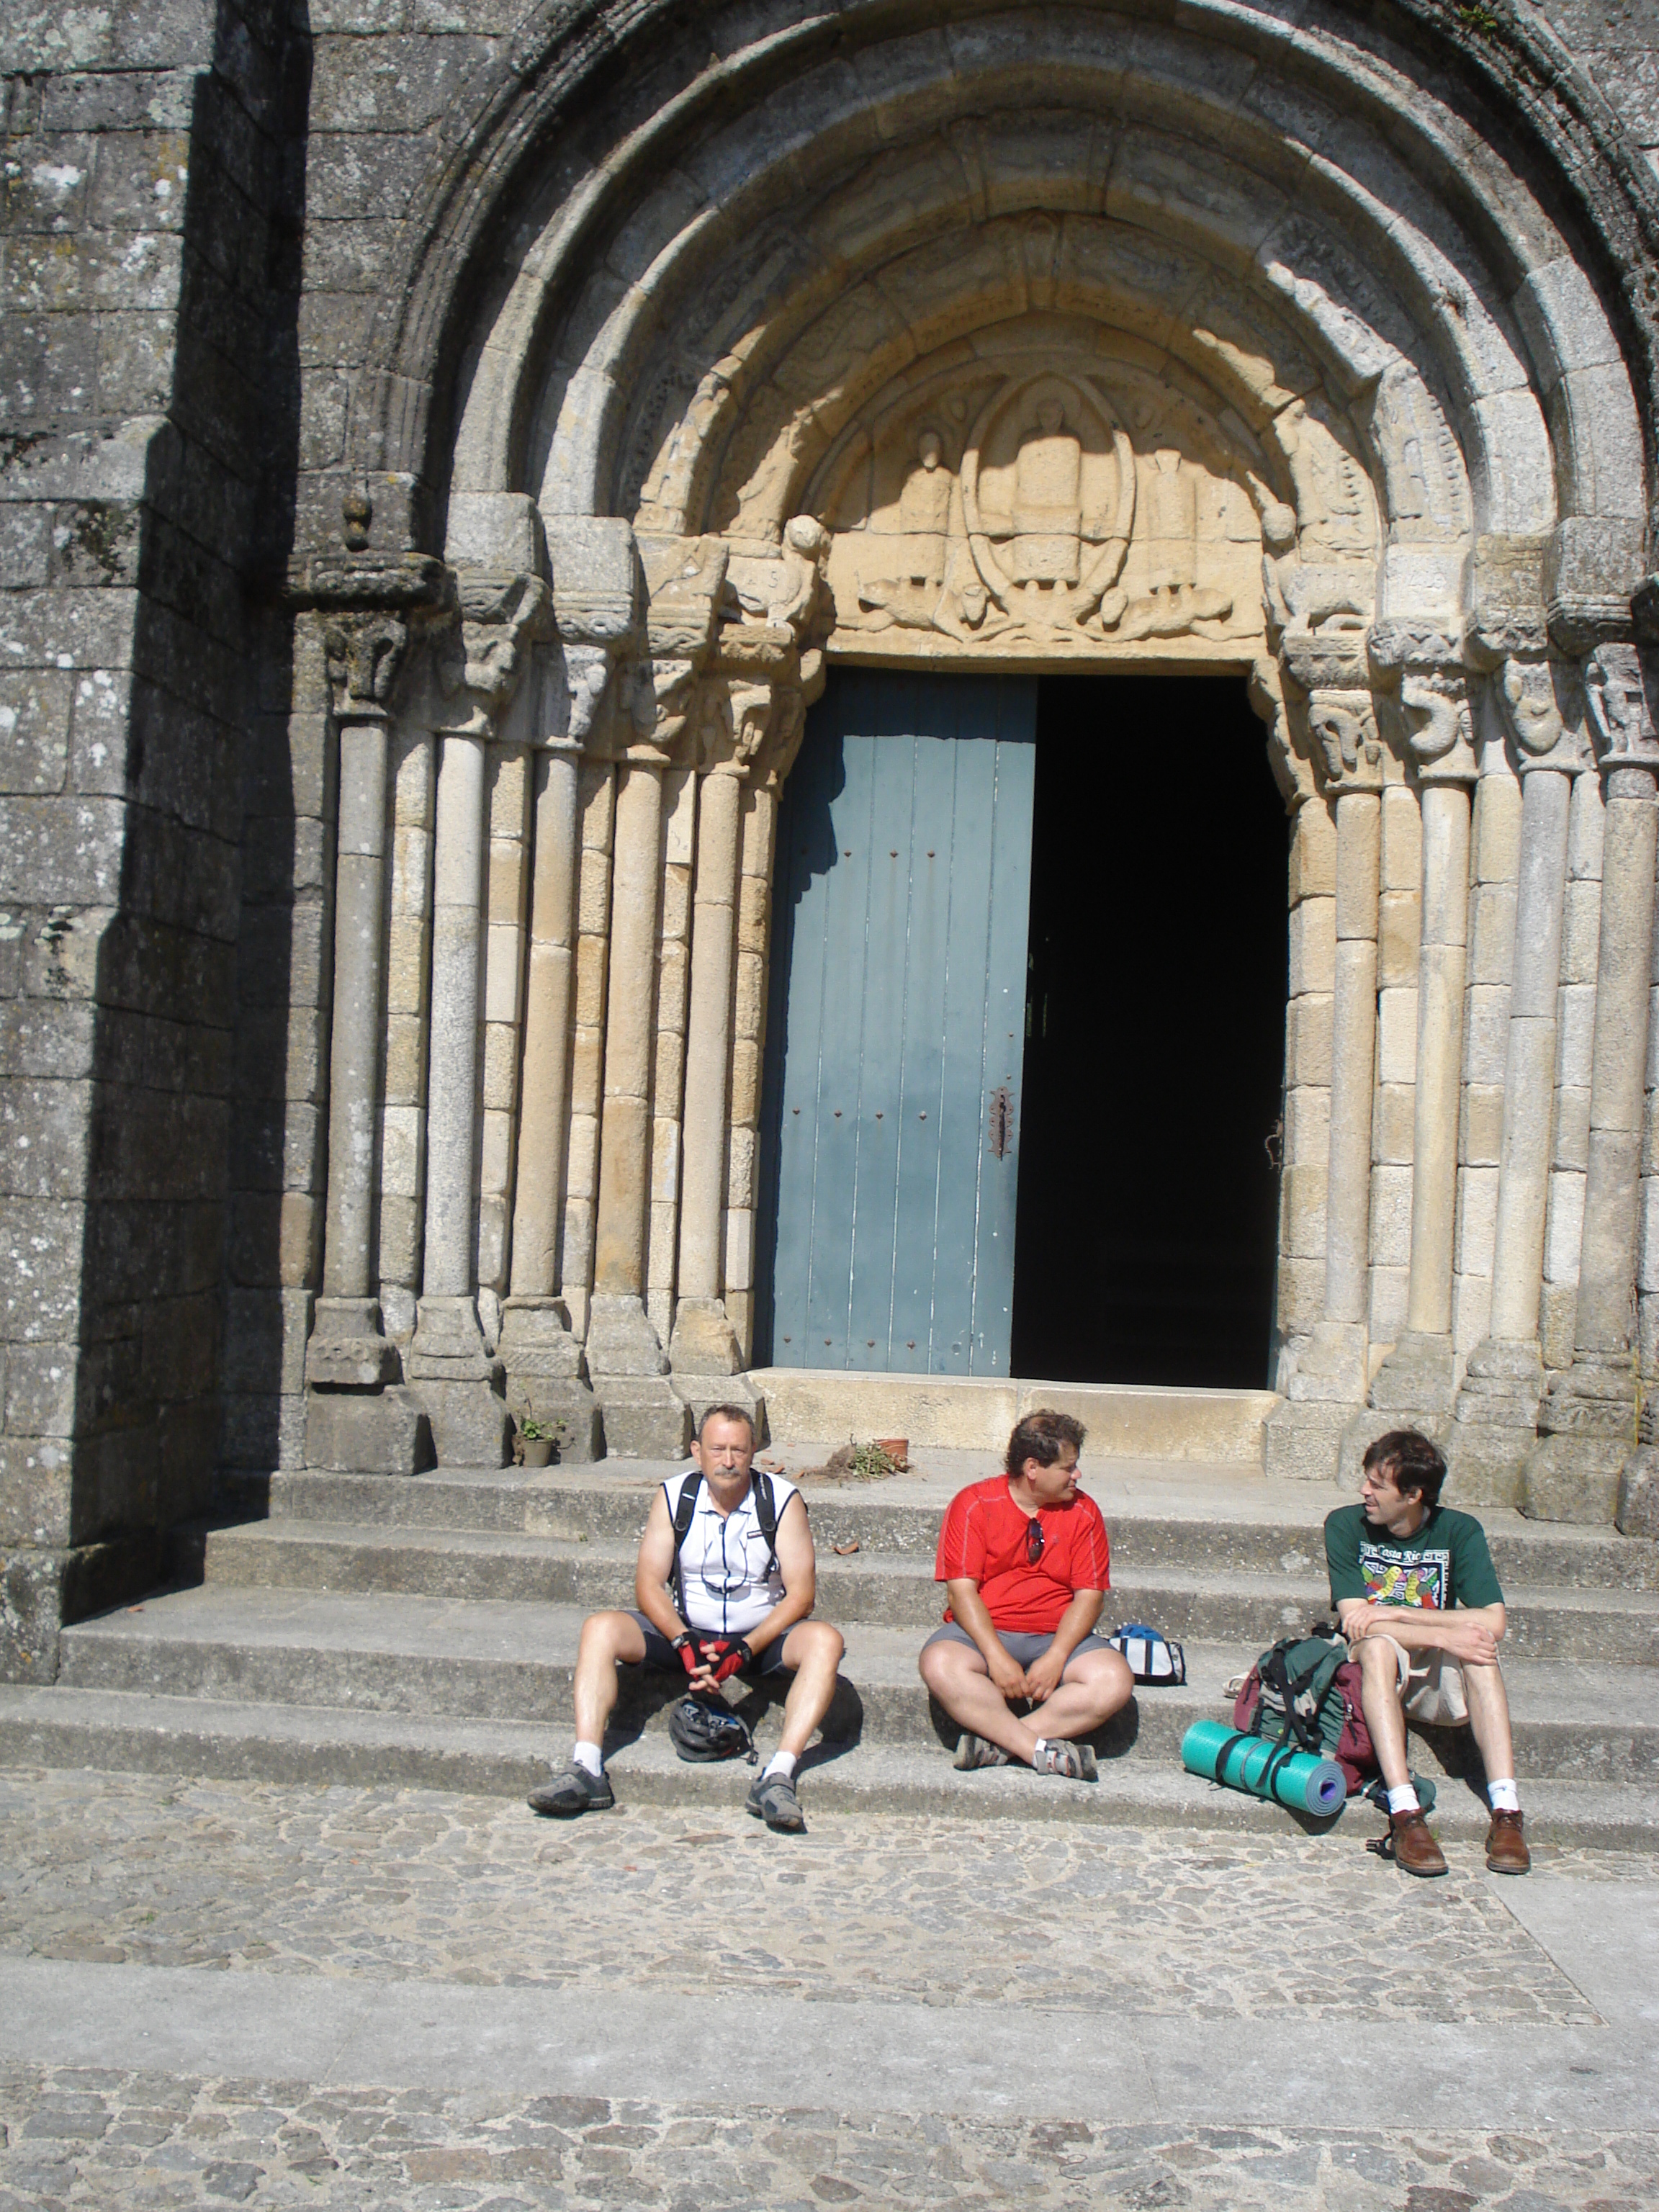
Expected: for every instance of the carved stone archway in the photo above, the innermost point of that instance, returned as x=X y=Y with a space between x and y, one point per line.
x=1020 y=341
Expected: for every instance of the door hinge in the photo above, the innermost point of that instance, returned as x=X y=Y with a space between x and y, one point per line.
x=1002 y=1122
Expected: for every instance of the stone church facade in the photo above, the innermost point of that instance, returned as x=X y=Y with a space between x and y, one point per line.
x=445 y=446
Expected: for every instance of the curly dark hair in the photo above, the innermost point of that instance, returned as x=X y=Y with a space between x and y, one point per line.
x=1041 y=1436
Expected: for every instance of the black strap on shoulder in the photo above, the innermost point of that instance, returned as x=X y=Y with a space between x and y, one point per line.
x=766 y=1512
x=683 y=1517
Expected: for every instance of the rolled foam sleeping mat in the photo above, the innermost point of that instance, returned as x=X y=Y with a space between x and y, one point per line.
x=1295 y=1778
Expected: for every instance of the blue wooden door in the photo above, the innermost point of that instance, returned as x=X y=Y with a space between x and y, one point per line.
x=897 y=1026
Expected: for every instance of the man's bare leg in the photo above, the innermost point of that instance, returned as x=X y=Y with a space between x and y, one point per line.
x=1489 y=1719
x=606 y=1638
x=1379 y=1700
x=1093 y=1687
x=814 y=1651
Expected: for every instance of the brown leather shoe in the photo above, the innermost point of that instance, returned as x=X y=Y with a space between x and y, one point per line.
x=1506 y=1847
x=1411 y=1844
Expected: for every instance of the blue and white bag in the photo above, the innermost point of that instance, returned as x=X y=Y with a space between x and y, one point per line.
x=1152 y=1658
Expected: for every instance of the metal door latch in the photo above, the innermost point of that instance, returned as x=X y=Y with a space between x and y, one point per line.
x=1002 y=1121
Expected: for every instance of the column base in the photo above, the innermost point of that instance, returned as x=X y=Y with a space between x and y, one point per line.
x=1302 y=1443
x=1637 y=1513
x=704 y=1341
x=349 y=1349
x=644 y=1418
x=462 y=1387
x=1587 y=1430
x=368 y=1431
x=1494 y=1423
x=1411 y=1389
x=547 y=1377
x=699 y=1392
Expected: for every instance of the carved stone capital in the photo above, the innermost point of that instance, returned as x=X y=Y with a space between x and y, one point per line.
x=502 y=610
x=1506 y=614
x=1593 y=567
x=368 y=604
x=596 y=604
x=1292 y=770
x=1342 y=727
x=1540 y=700
x=1335 y=661
x=1420 y=663
x=785 y=590
x=1414 y=645
x=1620 y=697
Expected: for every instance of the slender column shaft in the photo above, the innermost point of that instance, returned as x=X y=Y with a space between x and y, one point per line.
x=708 y=1043
x=619 y=1256
x=354 y=1048
x=759 y=839
x=1607 y=1257
x=544 y=1116
x=507 y=778
x=1353 y=1052
x=1518 y=1254
x=1442 y=962
x=452 y=1088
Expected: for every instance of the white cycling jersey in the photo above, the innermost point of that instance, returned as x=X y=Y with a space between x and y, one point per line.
x=730 y=1577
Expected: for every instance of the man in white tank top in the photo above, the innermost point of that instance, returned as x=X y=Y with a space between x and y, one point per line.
x=745 y=1597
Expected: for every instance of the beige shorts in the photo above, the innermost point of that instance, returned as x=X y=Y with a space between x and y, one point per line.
x=1431 y=1684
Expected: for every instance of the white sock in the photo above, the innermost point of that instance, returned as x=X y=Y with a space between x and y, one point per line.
x=1502 y=1797
x=781 y=1762
x=588 y=1757
x=1405 y=1799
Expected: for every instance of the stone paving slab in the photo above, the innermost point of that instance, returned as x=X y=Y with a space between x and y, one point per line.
x=112 y=2138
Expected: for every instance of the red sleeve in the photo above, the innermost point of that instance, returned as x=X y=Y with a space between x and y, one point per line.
x=961 y=1556
x=1091 y=1555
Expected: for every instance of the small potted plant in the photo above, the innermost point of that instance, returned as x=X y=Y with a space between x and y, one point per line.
x=536 y=1440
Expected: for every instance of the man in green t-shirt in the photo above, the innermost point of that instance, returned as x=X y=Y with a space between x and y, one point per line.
x=1413 y=1586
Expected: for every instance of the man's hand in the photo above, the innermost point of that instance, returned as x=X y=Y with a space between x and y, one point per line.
x=1006 y=1673
x=1468 y=1638
x=1469 y=1634
x=1043 y=1675
x=724 y=1657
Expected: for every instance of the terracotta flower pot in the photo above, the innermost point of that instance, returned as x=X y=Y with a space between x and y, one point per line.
x=897 y=1448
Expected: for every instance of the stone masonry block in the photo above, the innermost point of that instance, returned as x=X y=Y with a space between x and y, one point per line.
x=1399 y=917
x=402 y=1224
x=1313 y=946
x=1491 y=934
x=1389 y=1287
x=673 y=979
x=1564 y=1228
x=40 y=1390
x=749 y=996
x=1307 y=1125
x=1575 y=1035
x=582 y=1158
x=1486 y=1034
x=495 y=1152
x=1477 y=1219
x=1312 y=854
x=740 y=1169
x=1308 y=1040
x=46 y=1138
x=407 y=953
x=1572 y=1110
x=1396 y=1036
x=745 y=1082
x=40 y=1264
x=1391 y=1216
x=1304 y=1211
x=1401 y=855
x=403 y=1151
x=1586 y=821
x=1301 y=1294
x=665 y=1161
x=405 y=1059
x=35 y=719
x=1471 y=1310
x=590 y=981
x=503 y=973
x=1392 y=1132
x=586 y=1066
x=410 y=893
x=1558 y=1313
x=593 y=894
x=1581 y=932
x=500 y=1066
x=1495 y=858
x=1481 y=1141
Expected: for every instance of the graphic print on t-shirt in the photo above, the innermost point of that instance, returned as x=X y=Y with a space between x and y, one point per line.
x=1394 y=1577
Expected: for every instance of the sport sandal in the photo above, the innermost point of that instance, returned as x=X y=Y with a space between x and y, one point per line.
x=977 y=1751
x=1075 y=1762
x=576 y=1790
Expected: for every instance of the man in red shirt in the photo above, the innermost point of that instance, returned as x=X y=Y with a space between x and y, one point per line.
x=1025 y=1560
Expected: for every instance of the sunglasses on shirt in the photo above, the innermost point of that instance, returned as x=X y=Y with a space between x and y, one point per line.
x=1034 y=1542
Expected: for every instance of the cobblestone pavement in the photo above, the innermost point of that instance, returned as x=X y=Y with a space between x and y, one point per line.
x=389 y=1885
x=134 y=2141
x=415 y=1884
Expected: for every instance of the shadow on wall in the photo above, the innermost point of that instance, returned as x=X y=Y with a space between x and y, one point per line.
x=189 y=1235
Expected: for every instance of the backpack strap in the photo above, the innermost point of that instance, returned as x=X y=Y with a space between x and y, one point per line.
x=684 y=1512
x=766 y=1512
x=1276 y=1674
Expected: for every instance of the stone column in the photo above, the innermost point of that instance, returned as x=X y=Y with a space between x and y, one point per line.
x=675 y=870
x=1587 y=1421
x=358 y=1416
x=1496 y=1409
x=643 y=1417
x=546 y=1372
x=1413 y=1387
x=759 y=836
x=462 y=1384
x=1325 y=1383
x=703 y=1351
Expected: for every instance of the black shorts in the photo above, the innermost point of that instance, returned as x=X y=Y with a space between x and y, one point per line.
x=660 y=1652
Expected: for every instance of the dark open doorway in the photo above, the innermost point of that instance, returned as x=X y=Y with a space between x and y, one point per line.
x=1155 y=1037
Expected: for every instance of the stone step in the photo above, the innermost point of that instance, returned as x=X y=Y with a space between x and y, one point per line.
x=500 y=1660
x=296 y=1744
x=1249 y=1609
x=1156 y=1518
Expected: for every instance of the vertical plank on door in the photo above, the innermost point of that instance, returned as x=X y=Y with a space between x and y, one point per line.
x=898 y=1001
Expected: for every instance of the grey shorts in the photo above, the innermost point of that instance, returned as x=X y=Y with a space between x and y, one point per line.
x=1024 y=1650
x=660 y=1652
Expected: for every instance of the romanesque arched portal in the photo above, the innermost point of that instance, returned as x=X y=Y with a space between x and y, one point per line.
x=1042 y=338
